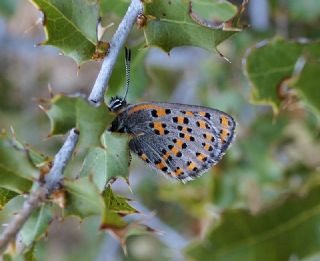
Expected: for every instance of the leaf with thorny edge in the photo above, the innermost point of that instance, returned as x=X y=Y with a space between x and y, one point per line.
x=112 y=221
x=66 y=112
x=174 y=23
x=277 y=68
x=70 y=26
x=16 y=171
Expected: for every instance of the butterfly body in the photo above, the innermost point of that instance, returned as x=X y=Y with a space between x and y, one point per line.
x=182 y=141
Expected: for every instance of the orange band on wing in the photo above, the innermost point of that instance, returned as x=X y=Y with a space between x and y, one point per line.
x=144 y=107
x=179 y=143
x=158 y=126
x=224 y=121
x=161 y=165
x=223 y=134
x=144 y=157
x=166 y=156
x=178 y=172
x=189 y=113
x=191 y=166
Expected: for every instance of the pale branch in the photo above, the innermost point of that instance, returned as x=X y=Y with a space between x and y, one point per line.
x=54 y=178
x=52 y=181
x=17 y=222
x=116 y=44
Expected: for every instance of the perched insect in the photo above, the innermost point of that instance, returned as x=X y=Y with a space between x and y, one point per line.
x=181 y=141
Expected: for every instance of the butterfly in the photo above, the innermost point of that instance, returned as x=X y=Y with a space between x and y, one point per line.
x=179 y=140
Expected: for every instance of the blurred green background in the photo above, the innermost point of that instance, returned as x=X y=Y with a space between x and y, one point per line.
x=274 y=154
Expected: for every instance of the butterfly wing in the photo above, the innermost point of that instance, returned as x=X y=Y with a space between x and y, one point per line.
x=180 y=140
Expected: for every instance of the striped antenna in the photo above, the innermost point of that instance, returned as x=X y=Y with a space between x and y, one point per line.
x=127 y=65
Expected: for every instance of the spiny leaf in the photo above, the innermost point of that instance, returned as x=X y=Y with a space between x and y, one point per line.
x=62 y=114
x=271 y=65
x=36 y=225
x=307 y=86
x=95 y=166
x=29 y=254
x=172 y=23
x=117 y=204
x=214 y=11
x=83 y=198
x=117 y=154
x=70 y=26
x=5 y=196
x=118 y=7
x=91 y=121
x=68 y=112
x=109 y=161
x=16 y=172
x=112 y=220
x=273 y=234
x=36 y=158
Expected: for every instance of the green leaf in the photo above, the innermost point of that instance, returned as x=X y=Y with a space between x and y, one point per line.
x=117 y=154
x=29 y=254
x=62 y=114
x=94 y=165
x=306 y=85
x=170 y=25
x=116 y=207
x=91 y=121
x=271 y=64
x=118 y=7
x=13 y=181
x=117 y=204
x=68 y=112
x=36 y=158
x=112 y=220
x=16 y=172
x=70 y=26
x=110 y=161
x=36 y=225
x=5 y=196
x=83 y=198
x=274 y=234
x=210 y=10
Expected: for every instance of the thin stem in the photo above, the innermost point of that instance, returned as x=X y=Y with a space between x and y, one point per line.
x=116 y=44
x=53 y=181
x=17 y=222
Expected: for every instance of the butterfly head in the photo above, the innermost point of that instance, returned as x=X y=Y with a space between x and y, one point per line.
x=117 y=103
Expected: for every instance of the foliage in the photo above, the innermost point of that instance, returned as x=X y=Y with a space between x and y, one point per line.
x=172 y=23
x=270 y=75
x=242 y=235
x=69 y=27
x=255 y=204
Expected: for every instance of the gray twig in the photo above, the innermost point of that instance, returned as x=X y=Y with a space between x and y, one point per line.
x=17 y=222
x=53 y=181
x=116 y=44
